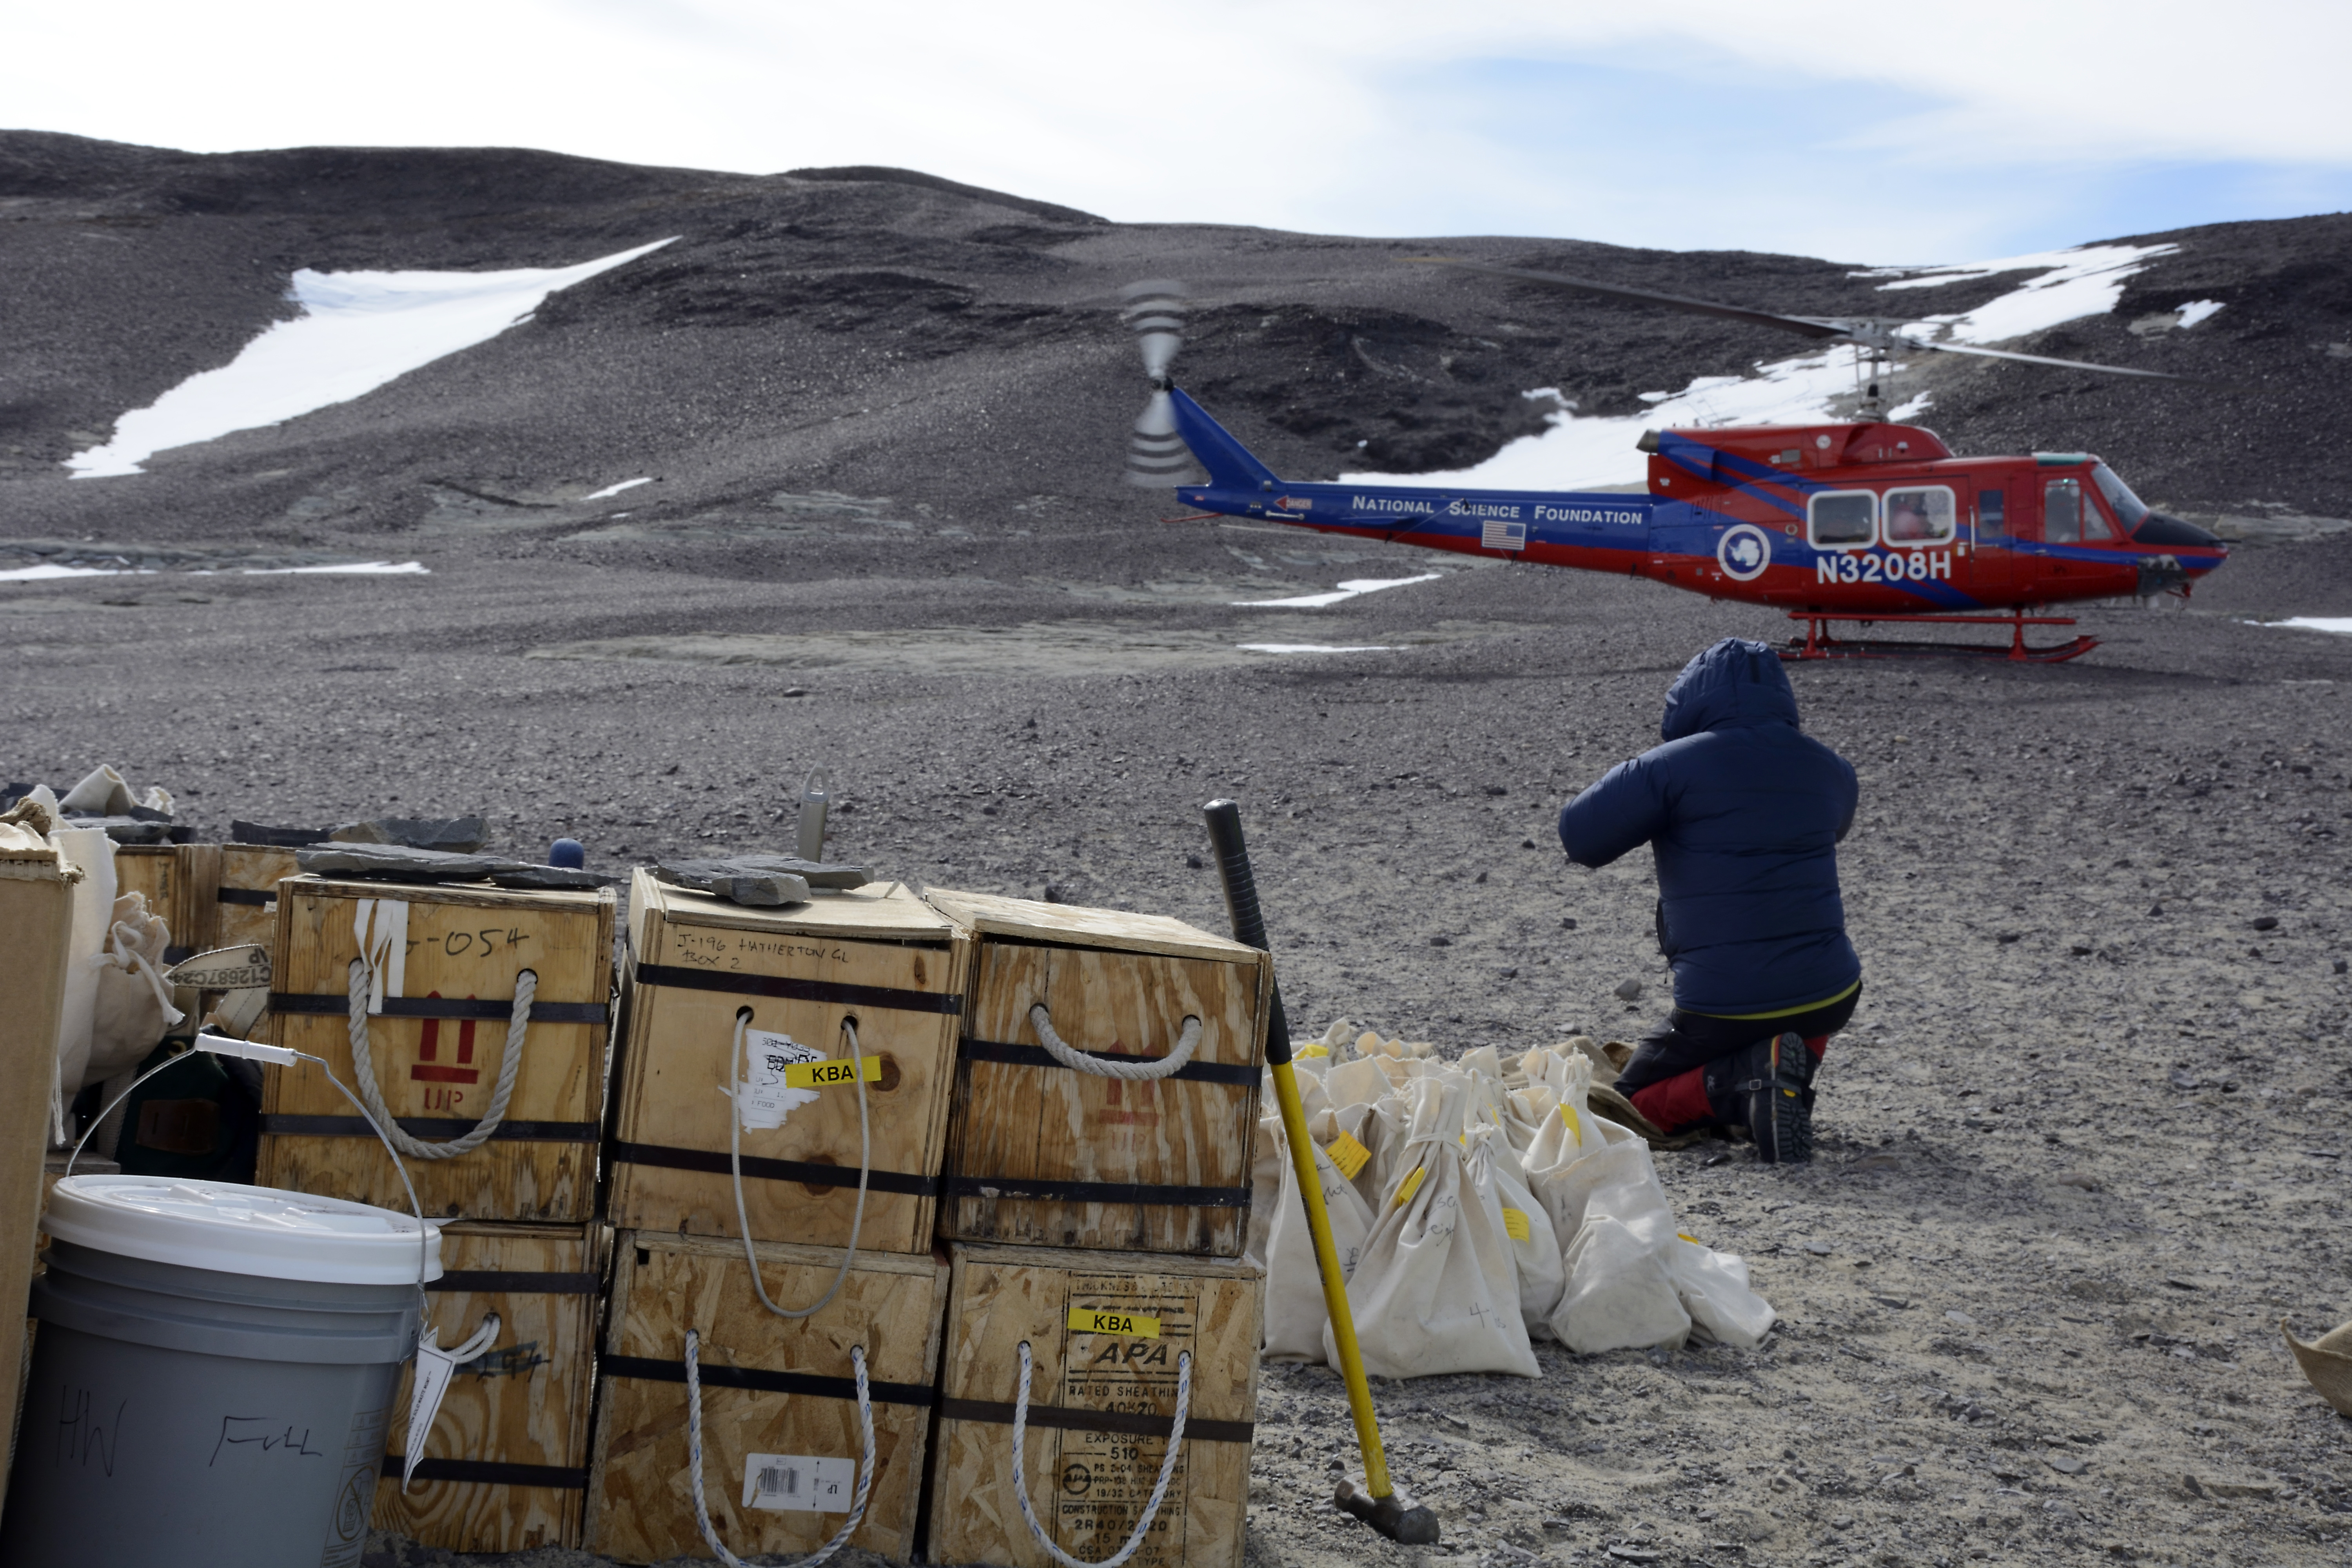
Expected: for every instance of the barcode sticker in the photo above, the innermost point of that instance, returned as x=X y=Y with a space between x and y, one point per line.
x=1409 y=1186
x=1515 y=1225
x=1348 y=1154
x=766 y=1096
x=1088 y=1320
x=828 y=1074
x=799 y=1482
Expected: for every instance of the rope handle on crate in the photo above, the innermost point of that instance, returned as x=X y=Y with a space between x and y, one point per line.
x=1168 y=1066
x=694 y=1458
x=735 y=1169
x=510 y=1066
x=1159 y=1490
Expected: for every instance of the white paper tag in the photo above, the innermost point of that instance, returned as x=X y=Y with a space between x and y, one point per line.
x=800 y=1482
x=434 y=1368
x=763 y=1099
x=384 y=944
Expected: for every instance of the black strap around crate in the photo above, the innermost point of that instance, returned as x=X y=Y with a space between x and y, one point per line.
x=258 y=896
x=490 y=1472
x=786 y=989
x=1081 y=1420
x=500 y=1282
x=647 y=1369
x=320 y=1004
x=1096 y=1192
x=1243 y=1073
x=430 y=1127
x=715 y=1163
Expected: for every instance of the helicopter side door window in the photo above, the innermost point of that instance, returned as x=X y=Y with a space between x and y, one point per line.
x=1843 y=520
x=1919 y=517
x=1992 y=507
x=2095 y=527
x=2062 y=511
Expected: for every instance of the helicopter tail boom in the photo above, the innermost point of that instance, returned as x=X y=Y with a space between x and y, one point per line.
x=1231 y=465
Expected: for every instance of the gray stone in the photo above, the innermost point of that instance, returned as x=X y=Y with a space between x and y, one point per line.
x=758 y=887
x=1629 y=991
x=452 y=834
x=398 y=862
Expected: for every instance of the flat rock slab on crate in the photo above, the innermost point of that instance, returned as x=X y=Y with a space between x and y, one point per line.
x=401 y=863
x=780 y=1431
x=1043 y=1154
x=505 y=1467
x=877 y=954
x=762 y=879
x=1105 y=1331
x=447 y=959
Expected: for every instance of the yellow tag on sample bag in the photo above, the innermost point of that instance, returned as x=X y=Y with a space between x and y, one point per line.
x=1088 y=1321
x=1312 y=1051
x=1348 y=1154
x=1410 y=1185
x=1515 y=1225
x=1575 y=1124
x=830 y=1074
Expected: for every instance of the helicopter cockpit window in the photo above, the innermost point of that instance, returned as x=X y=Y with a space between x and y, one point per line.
x=1843 y=520
x=2130 y=511
x=1920 y=517
x=2062 y=511
x=2096 y=528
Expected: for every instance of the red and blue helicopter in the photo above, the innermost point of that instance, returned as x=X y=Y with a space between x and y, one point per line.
x=1869 y=520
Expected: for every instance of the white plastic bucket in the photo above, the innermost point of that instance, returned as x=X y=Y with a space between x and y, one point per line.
x=212 y=1376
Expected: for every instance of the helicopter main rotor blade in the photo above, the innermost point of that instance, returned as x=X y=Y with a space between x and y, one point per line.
x=1914 y=345
x=1802 y=326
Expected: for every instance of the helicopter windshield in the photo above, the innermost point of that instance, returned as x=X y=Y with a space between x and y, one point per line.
x=2130 y=511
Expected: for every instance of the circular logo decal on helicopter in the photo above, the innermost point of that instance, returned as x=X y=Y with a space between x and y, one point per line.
x=1743 y=551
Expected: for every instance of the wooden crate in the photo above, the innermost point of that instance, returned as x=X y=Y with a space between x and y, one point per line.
x=506 y=1465
x=245 y=892
x=1099 y=1405
x=37 y=934
x=160 y=871
x=437 y=1045
x=1040 y=1154
x=879 y=954
x=773 y=1388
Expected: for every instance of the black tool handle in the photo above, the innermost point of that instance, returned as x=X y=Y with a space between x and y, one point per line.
x=1224 y=820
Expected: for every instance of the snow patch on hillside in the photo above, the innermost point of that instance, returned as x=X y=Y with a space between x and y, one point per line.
x=1579 y=452
x=357 y=330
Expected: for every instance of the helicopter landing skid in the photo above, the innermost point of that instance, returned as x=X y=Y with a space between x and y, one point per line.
x=1817 y=643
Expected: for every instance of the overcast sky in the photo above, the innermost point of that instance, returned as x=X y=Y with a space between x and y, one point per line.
x=1891 y=132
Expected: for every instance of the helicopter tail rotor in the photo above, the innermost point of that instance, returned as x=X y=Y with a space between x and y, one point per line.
x=1157 y=457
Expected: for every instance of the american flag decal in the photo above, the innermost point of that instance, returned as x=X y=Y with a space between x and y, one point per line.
x=1504 y=535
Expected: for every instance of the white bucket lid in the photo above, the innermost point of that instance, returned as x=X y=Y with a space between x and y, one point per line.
x=234 y=1229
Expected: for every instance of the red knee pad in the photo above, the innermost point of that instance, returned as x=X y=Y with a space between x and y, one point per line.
x=1817 y=1045
x=1674 y=1103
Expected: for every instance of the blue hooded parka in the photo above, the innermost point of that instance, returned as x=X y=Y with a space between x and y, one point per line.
x=1743 y=811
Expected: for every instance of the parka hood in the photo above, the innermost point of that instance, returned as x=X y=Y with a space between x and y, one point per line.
x=1736 y=682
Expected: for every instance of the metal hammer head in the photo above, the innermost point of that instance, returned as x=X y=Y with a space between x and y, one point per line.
x=1411 y=1526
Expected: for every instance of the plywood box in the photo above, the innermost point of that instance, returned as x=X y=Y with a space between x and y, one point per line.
x=36 y=933
x=161 y=872
x=245 y=893
x=780 y=1430
x=1105 y=1331
x=506 y=1465
x=877 y=956
x=437 y=1043
x=1042 y=1154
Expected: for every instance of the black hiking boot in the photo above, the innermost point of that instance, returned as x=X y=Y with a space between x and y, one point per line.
x=1767 y=1088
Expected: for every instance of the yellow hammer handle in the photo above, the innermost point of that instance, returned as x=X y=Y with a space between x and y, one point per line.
x=1335 y=1286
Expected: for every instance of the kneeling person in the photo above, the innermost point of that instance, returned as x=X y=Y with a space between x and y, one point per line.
x=1743 y=813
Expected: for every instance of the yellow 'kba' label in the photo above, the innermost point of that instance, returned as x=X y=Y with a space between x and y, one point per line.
x=1088 y=1321
x=830 y=1074
x=1515 y=1225
x=1410 y=1185
x=1348 y=1154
